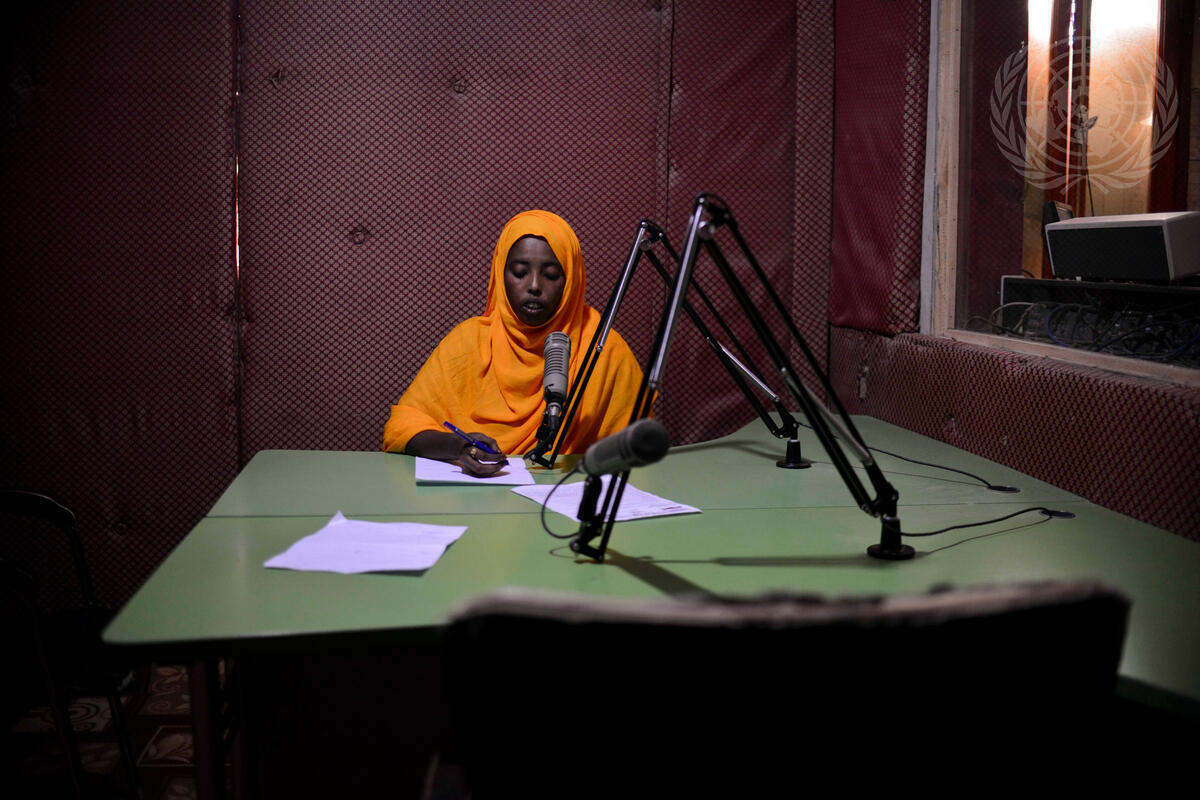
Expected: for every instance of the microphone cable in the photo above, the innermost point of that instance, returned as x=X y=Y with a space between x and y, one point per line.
x=546 y=502
x=1049 y=513
x=986 y=484
x=991 y=486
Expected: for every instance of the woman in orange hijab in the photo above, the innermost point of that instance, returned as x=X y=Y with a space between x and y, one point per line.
x=485 y=377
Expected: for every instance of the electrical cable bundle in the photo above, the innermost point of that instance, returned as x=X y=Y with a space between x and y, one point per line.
x=1166 y=335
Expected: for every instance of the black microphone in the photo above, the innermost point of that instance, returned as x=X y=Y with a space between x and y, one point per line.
x=643 y=442
x=557 y=354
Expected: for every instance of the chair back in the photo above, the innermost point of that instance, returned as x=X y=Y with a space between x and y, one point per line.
x=71 y=659
x=579 y=696
x=48 y=597
x=17 y=508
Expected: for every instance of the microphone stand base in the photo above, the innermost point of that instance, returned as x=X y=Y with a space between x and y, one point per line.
x=890 y=547
x=793 y=459
x=889 y=554
x=587 y=551
x=784 y=463
x=590 y=526
x=539 y=459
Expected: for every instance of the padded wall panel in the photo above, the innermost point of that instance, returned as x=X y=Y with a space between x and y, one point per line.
x=732 y=133
x=991 y=214
x=117 y=246
x=1129 y=444
x=812 y=237
x=879 y=164
x=383 y=147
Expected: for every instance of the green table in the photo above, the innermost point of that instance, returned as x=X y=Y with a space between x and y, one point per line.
x=763 y=528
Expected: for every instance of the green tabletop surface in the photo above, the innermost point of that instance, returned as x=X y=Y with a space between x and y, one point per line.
x=318 y=482
x=709 y=475
x=762 y=529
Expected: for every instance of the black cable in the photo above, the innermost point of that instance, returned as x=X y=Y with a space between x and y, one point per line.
x=1049 y=512
x=1078 y=315
x=1165 y=334
x=1050 y=319
x=1141 y=331
x=1114 y=323
x=546 y=502
x=992 y=486
x=1023 y=322
x=1019 y=328
x=1183 y=348
x=995 y=326
x=1128 y=332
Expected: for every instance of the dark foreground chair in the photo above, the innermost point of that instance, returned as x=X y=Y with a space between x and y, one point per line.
x=65 y=643
x=574 y=696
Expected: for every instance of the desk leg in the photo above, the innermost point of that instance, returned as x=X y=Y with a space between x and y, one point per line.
x=343 y=723
x=206 y=730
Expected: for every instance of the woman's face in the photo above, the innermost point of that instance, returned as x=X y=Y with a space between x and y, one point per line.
x=533 y=280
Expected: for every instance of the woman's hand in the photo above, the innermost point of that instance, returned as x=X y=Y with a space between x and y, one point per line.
x=475 y=460
x=448 y=447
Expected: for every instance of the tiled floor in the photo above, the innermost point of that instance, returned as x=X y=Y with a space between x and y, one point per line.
x=157 y=709
x=158 y=717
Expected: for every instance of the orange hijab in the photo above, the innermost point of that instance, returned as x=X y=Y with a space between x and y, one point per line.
x=486 y=375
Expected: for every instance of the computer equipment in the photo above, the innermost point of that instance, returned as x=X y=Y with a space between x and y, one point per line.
x=1126 y=247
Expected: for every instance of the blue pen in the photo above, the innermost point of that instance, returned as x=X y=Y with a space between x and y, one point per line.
x=473 y=442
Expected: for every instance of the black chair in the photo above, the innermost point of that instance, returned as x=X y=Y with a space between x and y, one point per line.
x=71 y=659
x=577 y=696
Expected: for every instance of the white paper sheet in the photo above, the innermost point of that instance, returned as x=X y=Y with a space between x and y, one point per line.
x=635 y=504
x=429 y=471
x=351 y=546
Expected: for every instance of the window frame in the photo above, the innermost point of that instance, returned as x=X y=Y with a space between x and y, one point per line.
x=942 y=248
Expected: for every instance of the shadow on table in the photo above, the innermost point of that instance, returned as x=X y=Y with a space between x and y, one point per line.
x=651 y=570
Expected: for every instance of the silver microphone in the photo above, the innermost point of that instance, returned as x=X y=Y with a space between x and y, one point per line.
x=558 y=359
x=557 y=354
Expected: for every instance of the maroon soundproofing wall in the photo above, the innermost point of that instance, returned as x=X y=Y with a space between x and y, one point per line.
x=812 y=214
x=118 y=284
x=732 y=134
x=879 y=164
x=992 y=215
x=383 y=148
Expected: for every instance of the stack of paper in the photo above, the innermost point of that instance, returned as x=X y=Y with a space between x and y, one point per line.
x=514 y=473
x=635 y=504
x=349 y=546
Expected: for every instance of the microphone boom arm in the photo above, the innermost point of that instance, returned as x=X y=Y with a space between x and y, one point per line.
x=736 y=369
x=647 y=235
x=827 y=426
x=824 y=423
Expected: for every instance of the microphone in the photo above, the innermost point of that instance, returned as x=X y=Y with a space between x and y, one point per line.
x=557 y=354
x=558 y=359
x=643 y=442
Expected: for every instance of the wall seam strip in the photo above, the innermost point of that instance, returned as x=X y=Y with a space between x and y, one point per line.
x=666 y=211
x=238 y=356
